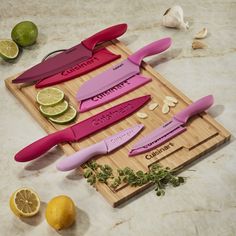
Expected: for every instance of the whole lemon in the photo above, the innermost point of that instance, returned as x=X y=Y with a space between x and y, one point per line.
x=24 y=33
x=60 y=212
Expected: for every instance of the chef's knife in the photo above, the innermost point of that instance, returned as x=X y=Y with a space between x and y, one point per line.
x=81 y=129
x=105 y=146
x=70 y=57
x=121 y=72
x=171 y=128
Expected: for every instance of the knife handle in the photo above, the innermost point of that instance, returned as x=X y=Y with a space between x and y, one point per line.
x=105 y=35
x=42 y=145
x=149 y=50
x=195 y=108
x=82 y=156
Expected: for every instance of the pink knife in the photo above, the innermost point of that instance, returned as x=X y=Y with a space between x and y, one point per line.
x=81 y=129
x=105 y=146
x=171 y=128
x=70 y=57
x=121 y=72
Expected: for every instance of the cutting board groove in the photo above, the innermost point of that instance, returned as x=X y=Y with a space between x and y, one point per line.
x=203 y=132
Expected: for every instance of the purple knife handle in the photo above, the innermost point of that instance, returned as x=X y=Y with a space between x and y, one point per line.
x=195 y=108
x=105 y=35
x=149 y=50
x=42 y=145
x=82 y=156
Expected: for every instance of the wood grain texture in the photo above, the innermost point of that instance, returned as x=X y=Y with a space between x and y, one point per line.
x=203 y=132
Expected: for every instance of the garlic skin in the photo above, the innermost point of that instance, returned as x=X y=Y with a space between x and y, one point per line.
x=198 y=45
x=201 y=34
x=174 y=18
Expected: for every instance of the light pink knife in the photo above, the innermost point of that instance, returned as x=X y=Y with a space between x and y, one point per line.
x=171 y=128
x=105 y=146
x=120 y=73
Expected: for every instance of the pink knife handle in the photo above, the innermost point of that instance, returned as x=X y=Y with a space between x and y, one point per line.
x=42 y=145
x=149 y=50
x=195 y=108
x=105 y=35
x=80 y=157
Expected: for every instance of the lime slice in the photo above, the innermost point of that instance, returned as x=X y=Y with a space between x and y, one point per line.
x=55 y=110
x=66 y=117
x=49 y=96
x=8 y=49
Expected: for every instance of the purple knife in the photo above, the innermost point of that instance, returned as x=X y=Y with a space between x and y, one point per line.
x=171 y=128
x=70 y=57
x=121 y=72
x=105 y=146
x=82 y=129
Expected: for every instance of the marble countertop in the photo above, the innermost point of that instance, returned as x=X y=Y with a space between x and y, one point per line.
x=206 y=204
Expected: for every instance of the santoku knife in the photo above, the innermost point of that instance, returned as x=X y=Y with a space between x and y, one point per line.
x=121 y=72
x=171 y=128
x=70 y=57
x=81 y=129
x=105 y=146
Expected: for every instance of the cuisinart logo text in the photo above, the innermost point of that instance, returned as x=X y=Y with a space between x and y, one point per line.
x=159 y=151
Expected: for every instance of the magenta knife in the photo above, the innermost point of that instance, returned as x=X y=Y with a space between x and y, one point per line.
x=81 y=129
x=171 y=128
x=121 y=72
x=105 y=146
x=70 y=57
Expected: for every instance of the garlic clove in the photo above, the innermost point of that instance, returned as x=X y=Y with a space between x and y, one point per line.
x=201 y=34
x=198 y=44
x=165 y=108
x=174 y=18
x=169 y=103
x=142 y=115
x=172 y=99
x=153 y=106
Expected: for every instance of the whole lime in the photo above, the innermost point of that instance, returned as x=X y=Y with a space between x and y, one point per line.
x=24 y=33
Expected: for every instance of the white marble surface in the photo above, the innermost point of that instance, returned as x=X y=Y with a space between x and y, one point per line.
x=206 y=204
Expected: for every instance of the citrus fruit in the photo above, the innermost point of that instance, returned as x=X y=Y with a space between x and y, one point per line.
x=60 y=212
x=25 y=202
x=8 y=49
x=57 y=109
x=66 y=117
x=24 y=33
x=49 y=96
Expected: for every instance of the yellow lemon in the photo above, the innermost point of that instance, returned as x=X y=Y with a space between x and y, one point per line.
x=25 y=202
x=60 y=212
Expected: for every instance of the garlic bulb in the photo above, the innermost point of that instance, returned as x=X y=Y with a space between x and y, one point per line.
x=174 y=18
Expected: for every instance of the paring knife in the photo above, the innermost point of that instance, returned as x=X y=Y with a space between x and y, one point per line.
x=81 y=129
x=105 y=146
x=70 y=57
x=171 y=128
x=121 y=72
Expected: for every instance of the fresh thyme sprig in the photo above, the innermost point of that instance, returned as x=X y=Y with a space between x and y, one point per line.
x=158 y=175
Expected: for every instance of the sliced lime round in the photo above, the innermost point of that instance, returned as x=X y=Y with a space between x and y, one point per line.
x=55 y=110
x=66 y=117
x=49 y=96
x=8 y=49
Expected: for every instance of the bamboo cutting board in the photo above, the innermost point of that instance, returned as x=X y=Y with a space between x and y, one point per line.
x=203 y=132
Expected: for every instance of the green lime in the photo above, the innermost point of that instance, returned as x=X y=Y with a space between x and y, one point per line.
x=8 y=49
x=49 y=96
x=24 y=33
x=55 y=110
x=66 y=117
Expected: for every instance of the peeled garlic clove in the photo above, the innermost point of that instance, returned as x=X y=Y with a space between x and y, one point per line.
x=152 y=106
x=165 y=108
x=169 y=103
x=174 y=18
x=142 y=115
x=198 y=44
x=201 y=34
x=171 y=99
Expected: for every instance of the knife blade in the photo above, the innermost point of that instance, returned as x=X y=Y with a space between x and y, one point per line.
x=171 y=128
x=70 y=57
x=121 y=72
x=81 y=129
x=105 y=146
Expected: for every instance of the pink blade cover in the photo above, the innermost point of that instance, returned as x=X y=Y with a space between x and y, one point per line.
x=114 y=92
x=100 y=58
